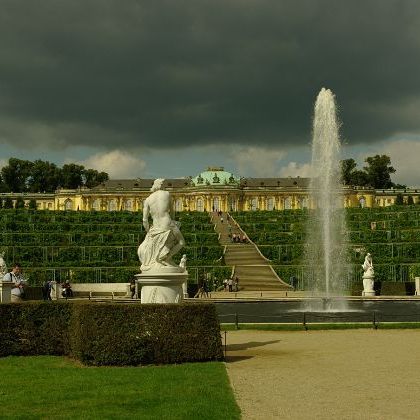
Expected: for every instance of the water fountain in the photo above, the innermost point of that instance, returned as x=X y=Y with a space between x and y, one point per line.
x=326 y=246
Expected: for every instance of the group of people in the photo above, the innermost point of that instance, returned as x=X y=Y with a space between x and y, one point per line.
x=66 y=291
x=231 y=284
x=237 y=238
x=203 y=290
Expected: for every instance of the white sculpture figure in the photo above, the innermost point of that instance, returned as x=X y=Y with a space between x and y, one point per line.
x=368 y=276
x=183 y=263
x=163 y=238
x=3 y=267
x=183 y=266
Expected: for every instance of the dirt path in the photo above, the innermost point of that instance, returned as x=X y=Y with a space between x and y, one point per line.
x=355 y=374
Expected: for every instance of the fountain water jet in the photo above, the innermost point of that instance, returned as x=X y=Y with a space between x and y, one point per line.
x=326 y=246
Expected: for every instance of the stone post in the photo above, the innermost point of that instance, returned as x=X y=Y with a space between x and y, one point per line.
x=6 y=291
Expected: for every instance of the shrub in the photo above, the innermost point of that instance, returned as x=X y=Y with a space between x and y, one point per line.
x=142 y=334
x=112 y=334
x=389 y=288
x=34 y=328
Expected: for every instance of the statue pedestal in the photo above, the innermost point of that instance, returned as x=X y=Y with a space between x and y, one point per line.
x=6 y=291
x=161 y=287
x=368 y=281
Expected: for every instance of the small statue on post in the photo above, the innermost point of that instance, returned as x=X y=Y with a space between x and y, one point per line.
x=368 y=276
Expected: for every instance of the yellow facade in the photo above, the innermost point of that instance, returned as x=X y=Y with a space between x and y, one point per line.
x=214 y=189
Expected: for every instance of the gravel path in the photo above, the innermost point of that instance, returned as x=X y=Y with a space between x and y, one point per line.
x=354 y=374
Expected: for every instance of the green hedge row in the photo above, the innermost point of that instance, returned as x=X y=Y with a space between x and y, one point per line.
x=38 y=276
x=104 y=256
x=112 y=334
x=75 y=238
x=387 y=288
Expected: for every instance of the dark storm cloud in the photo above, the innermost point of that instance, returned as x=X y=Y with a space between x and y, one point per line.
x=174 y=73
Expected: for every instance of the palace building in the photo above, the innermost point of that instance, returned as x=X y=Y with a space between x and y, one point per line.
x=212 y=189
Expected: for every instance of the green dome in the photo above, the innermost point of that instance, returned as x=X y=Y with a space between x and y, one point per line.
x=215 y=176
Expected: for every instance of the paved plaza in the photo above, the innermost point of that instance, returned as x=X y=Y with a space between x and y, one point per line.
x=355 y=374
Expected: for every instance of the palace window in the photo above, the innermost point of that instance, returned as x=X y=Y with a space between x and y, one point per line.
x=68 y=204
x=253 y=203
x=178 y=204
x=216 y=203
x=200 y=204
x=112 y=205
x=270 y=203
x=96 y=205
x=288 y=203
x=128 y=205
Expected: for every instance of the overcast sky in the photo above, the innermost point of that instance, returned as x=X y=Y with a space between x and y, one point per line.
x=165 y=88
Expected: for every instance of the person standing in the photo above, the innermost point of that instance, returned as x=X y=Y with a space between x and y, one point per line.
x=15 y=276
x=236 y=284
x=230 y=284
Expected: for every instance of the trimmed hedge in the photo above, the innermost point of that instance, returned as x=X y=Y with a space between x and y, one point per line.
x=134 y=335
x=34 y=328
x=112 y=334
x=387 y=288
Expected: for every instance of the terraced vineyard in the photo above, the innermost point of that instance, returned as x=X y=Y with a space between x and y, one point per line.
x=390 y=234
x=98 y=246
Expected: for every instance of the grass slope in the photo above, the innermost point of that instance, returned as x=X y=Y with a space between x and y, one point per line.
x=56 y=387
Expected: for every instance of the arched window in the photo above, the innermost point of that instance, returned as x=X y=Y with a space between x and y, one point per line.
x=178 y=204
x=253 y=203
x=96 y=205
x=200 y=204
x=270 y=203
x=216 y=203
x=288 y=203
x=362 y=202
x=304 y=202
x=112 y=205
x=68 y=204
x=128 y=205
x=232 y=204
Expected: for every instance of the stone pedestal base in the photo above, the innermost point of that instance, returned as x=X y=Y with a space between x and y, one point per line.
x=6 y=291
x=368 y=282
x=161 y=287
x=417 y=281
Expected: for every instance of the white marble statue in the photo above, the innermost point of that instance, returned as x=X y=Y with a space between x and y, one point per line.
x=368 y=276
x=183 y=263
x=368 y=266
x=3 y=267
x=163 y=238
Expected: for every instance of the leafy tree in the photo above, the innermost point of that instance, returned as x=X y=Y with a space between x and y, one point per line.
x=3 y=186
x=8 y=203
x=45 y=177
x=16 y=174
x=348 y=167
x=92 y=177
x=399 y=200
x=379 y=171
x=410 y=200
x=72 y=176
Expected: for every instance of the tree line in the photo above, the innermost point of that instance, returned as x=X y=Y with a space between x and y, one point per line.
x=43 y=176
x=376 y=173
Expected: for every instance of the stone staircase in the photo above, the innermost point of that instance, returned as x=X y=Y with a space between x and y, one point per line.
x=253 y=270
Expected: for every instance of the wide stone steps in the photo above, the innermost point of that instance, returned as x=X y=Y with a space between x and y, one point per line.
x=251 y=268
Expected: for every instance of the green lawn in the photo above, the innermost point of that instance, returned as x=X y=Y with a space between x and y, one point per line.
x=57 y=387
